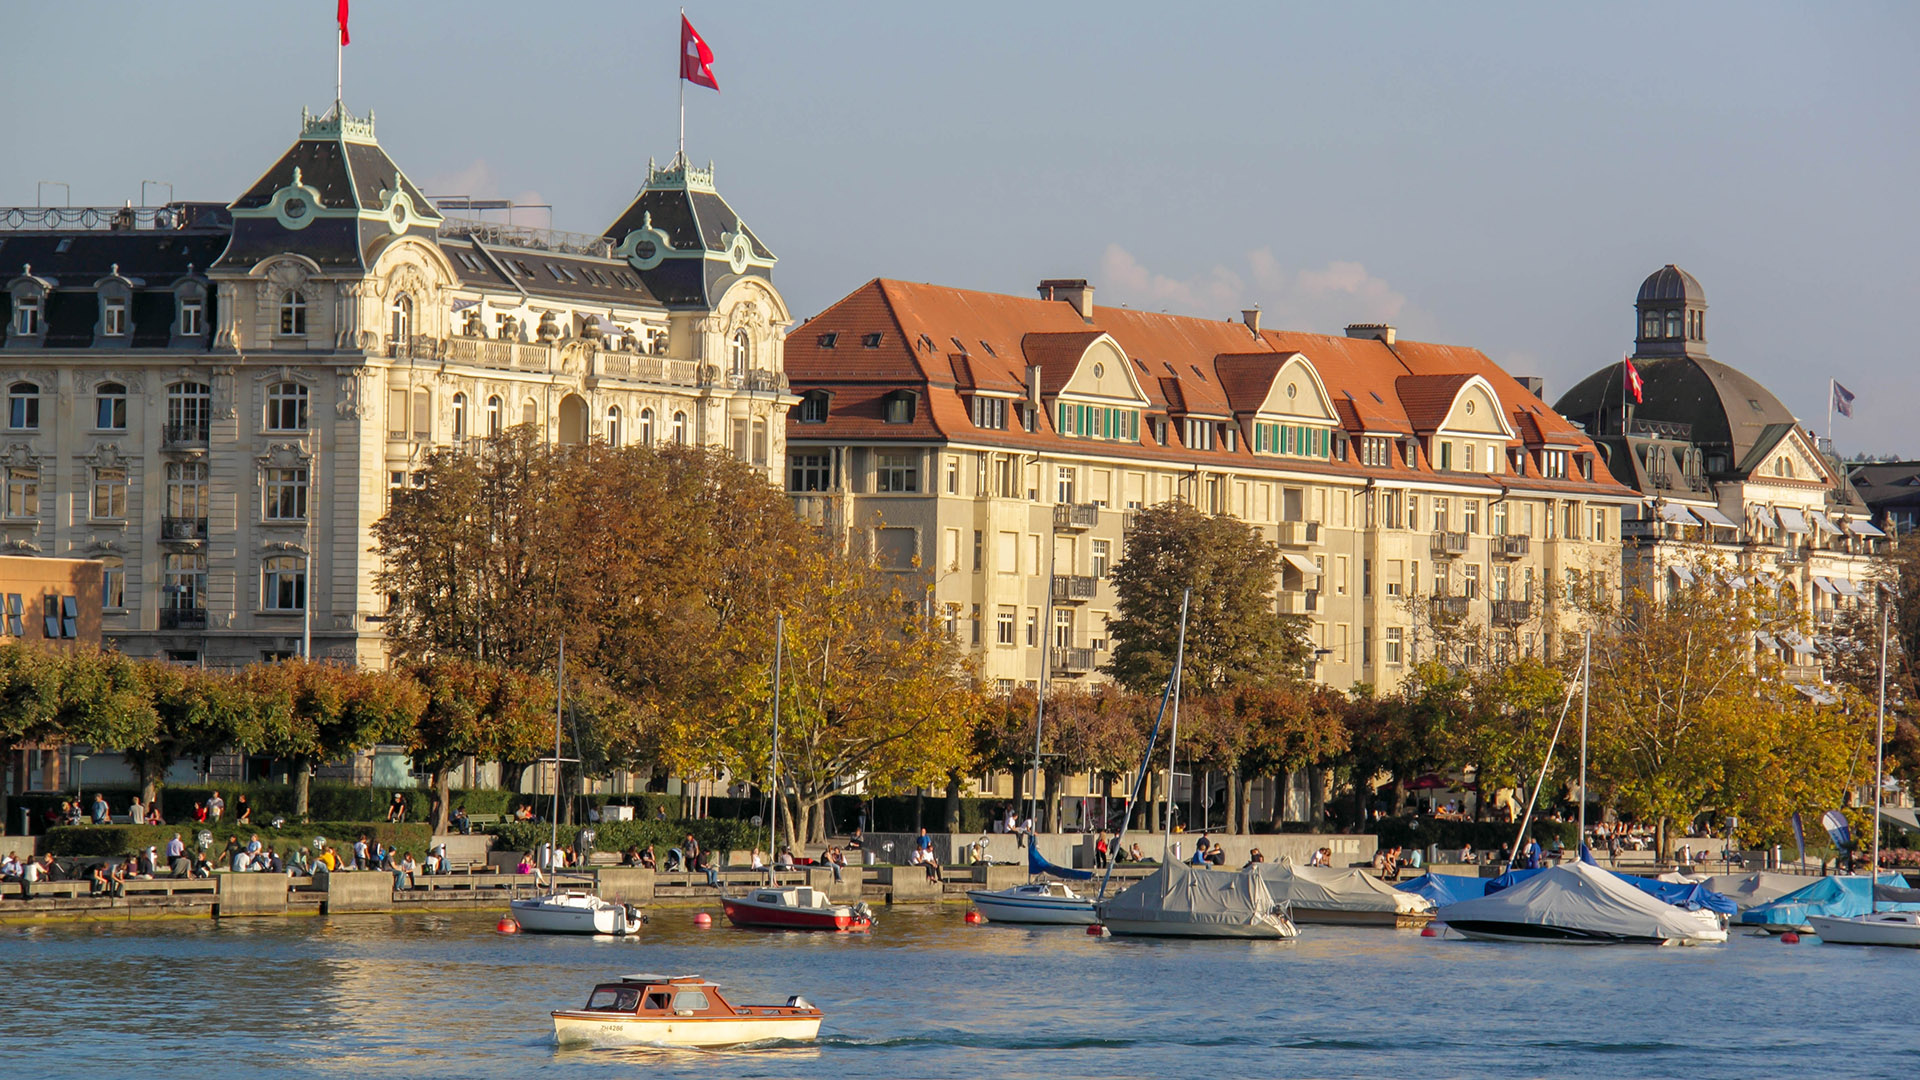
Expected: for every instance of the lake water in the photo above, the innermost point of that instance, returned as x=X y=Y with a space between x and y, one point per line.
x=929 y=996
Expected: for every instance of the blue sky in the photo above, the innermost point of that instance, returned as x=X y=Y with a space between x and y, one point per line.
x=1498 y=177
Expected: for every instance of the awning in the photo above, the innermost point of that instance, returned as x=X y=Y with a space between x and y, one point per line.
x=1818 y=695
x=1765 y=640
x=1677 y=514
x=1301 y=563
x=1764 y=518
x=1825 y=586
x=1863 y=528
x=1683 y=574
x=1799 y=644
x=1792 y=520
x=1712 y=516
x=1824 y=525
x=1847 y=588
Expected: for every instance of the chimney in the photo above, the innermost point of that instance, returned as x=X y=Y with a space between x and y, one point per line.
x=1074 y=291
x=1033 y=385
x=1535 y=385
x=1378 y=331
x=1251 y=316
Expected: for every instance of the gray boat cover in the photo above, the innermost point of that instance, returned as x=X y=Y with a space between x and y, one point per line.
x=1180 y=893
x=1325 y=888
x=1754 y=888
x=1576 y=896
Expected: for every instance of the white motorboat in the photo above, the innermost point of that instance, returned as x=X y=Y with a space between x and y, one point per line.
x=1896 y=928
x=1047 y=902
x=679 y=1010
x=575 y=912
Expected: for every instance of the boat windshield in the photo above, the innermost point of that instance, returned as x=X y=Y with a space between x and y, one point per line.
x=690 y=1001
x=614 y=999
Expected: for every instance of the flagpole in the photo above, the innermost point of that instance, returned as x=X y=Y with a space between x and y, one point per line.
x=1830 y=399
x=683 y=89
x=339 y=66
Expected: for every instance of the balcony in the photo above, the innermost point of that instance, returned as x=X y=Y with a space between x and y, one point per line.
x=1511 y=547
x=1450 y=544
x=1073 y=588
x=1298 y=533
x=1068 y=661
x=183 y=528
x=183 y=618
x=1075 y=517
x=1449 y=609
x=1303 y=602
x=1511 y=612
x=185 y=436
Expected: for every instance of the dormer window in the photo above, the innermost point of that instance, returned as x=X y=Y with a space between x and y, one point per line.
x=827 y=340
x=26 y=316
x=870 y=341
x=110 y=407
x=1197 y=434
x=293 y=313
x=898 y=407
x=23 y=406
x=1553 y=464
x=989 y=413
x=114 y=316
x=814 y=405
x=192 y=318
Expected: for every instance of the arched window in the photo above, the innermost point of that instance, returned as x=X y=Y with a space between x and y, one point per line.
x=613 y=425
x=1650 y=325
x=680 y=428
x=401 y=321
x=1673 y=324
x=459 y=417
x=646 y=427
x=286 y=407
x=741 y=351
x=293 y=312
x=530 y=412
x=23 y=406
x=493 y=415
x=110 y=407
x=283 y=583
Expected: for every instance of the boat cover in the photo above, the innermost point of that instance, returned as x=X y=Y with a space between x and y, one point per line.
x=1179 y=893
x=1324 y=888
x=1575 y=896
x=1444 y=889
x=1754 y=888
x=1839 y=897
x=1037 y=865
x=1687 y=894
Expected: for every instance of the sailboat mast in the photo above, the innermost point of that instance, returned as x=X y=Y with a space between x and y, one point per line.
x=1586 y=691
x=1879 y=760
x=773 y=821
x=1040 y=699
x=1146 y=765
x=1173 y=737
x=559 y=710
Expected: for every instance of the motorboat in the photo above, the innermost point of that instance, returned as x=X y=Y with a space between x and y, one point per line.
x=799 y=907
x=1577 y=904
x=1049 y=902
x=679 y=1010
x=1839 y=896
x=1352 y=897
x=1897 y=928
x=1179 y=900
x=575 y=911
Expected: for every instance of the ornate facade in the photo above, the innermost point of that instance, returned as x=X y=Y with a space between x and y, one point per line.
x=215 y=400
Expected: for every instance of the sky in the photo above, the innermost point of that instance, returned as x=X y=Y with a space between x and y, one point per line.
x=1495 y=176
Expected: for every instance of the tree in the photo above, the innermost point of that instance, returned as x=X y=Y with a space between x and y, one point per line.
x=1234 y=635
x=477 y=710
x=29 y=697
x=1093 y=731
x=199 y=713
x=1287 y=727
x=103 y=701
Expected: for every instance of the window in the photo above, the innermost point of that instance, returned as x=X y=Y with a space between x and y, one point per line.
x=459 y=417
x=1064 y=484
x=680 y=428
x=739 y=438
x=1673 y=324
x=1102 y=556
x=187 y=489
x=1340 y=575
x=979 y=550
x=286 y=407
x=1063 y=628
x=23 y=406
x=400 y=319
x=990 y=413
x=761 y=445
x=1376 y=451
x=185 y=585
x=1553 y=464
x=1446 y=454
x=897 y=472
x=1396 y=576
x=613 y=425
x=1493 y=459
x=26 y=316
x=1498 y=512
x=114 y=317
x=953 y=476
x=1470 y=513
x=1650 y=325
x=110 y=407
x=283 y=583
x=1470 y=581
x=1003 y=631
x=113 y=584
x=898 y=408
x=422 y=414
x=1597 y=526
x=826 y=341
x=1442 y=516
x=286 y=494
x=870 y=341
x=23 y=491
x=1294 y=440
x=189 y=411
x=739 y=353
x=530 y=412
x=293 y=313
x=1502 y=582
x=1197 y=435
x=813 y=406
x=493 y=415
x=1395 y=644
x=109 y=493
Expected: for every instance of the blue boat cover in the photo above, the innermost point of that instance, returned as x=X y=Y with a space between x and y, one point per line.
x=1444 y=889
x=1840 y=897
x=1678 y=893
x=1037 y=865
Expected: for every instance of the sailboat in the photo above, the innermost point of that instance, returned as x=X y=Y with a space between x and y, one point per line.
x=1179 y=900
x=563 y=910
x=1876 y=927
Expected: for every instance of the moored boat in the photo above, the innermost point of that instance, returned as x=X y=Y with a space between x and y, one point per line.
x=799 y=907
x=1179 y=900
x=1577 y=904
x=575 y=912
x=1896 y=928
x=679 y=1010
x=1045 y=902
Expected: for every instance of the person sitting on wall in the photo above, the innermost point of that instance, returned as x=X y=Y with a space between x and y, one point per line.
x=397 y=807
x=461 y=821
x=646 y=857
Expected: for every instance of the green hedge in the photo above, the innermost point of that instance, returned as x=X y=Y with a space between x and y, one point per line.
x=129 y=839
x=714 y=834
x=1483 y=835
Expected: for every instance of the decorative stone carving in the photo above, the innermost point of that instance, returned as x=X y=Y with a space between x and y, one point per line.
x=549 y=330
x=355 y=397
x=21 y=545
x=284 y=455
x=19 y=456
x=222 y=405
x=106 y=456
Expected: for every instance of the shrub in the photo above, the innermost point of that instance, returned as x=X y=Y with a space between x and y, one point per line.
x=1483 y=835
x=714 y=834
x=68 y=840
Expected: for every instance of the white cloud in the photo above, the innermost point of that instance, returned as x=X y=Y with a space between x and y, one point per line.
x=1323 y=299
x=476 y=180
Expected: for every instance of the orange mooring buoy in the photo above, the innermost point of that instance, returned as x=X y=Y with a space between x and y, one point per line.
x=974 y=918
x=1096 y=930
x=1428 y=931
x=1789 y=938
x=507 y=925
x=703 y=919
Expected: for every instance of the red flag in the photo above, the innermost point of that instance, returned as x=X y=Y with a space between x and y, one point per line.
x=344 y=39
x=1630 y=380
x=696 y=60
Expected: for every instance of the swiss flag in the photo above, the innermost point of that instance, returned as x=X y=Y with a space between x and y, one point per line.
x=696 y=60
x=342 y=17
x=1631 y=379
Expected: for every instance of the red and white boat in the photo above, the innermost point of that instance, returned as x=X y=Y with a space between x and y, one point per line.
x=796 y=908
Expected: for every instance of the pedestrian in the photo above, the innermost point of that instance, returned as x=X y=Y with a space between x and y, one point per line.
x=397 y=807
x=216 y=806
x=1100 y=852
x=100 y=813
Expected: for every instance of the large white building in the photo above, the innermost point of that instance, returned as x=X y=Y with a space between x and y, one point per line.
x=215 y=399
